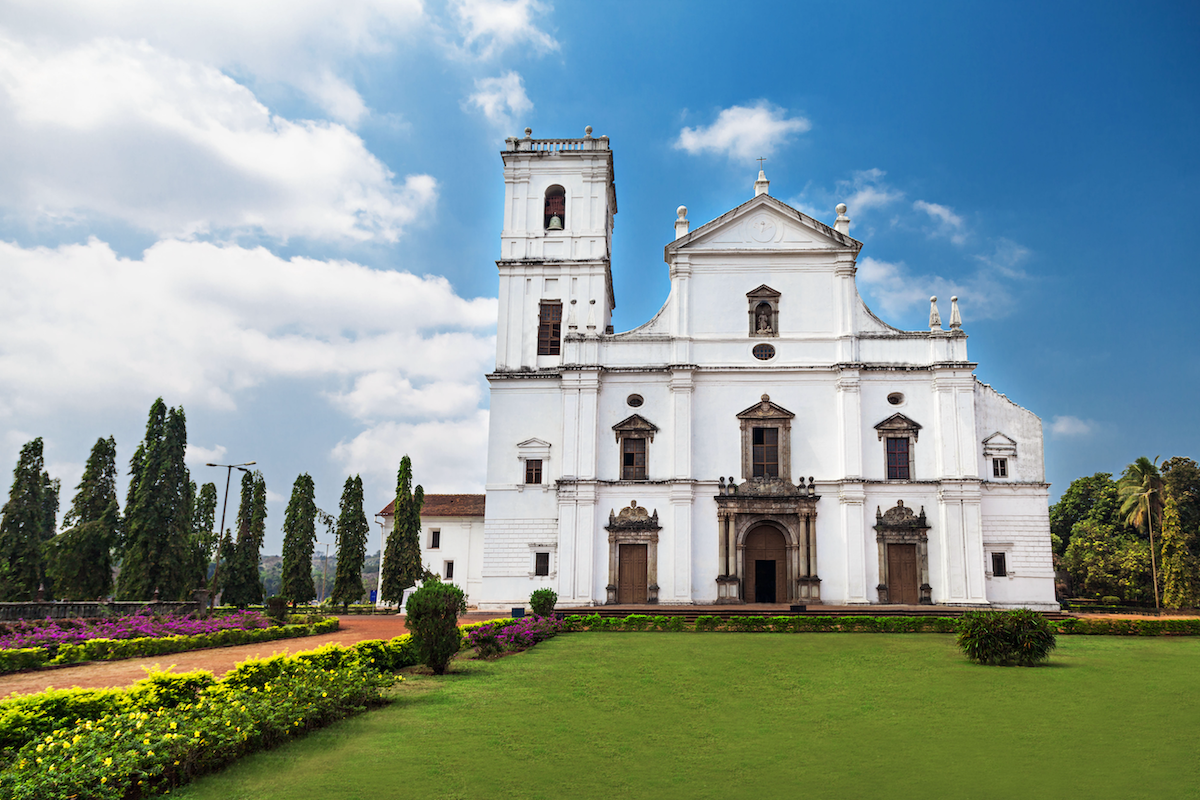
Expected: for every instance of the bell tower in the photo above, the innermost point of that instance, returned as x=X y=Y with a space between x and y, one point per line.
x=555 y=249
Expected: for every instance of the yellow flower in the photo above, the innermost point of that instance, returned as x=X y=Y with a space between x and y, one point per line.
x=108 y=761
x=104 y=780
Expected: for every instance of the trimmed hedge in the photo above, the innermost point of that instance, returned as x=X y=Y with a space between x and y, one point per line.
x=23 y=659
x=117 y=649
x=1129 y=627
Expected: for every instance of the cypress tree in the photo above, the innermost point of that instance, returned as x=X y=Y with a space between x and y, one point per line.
x=242 y=582
x=402 y=566
x=204 y=533
x=80 y=558
x=299 y=537
x=26 y=523
x=352 y=533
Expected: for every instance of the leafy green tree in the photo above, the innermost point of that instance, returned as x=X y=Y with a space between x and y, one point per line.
x=158 y=513
x=240 y=579
x=299 y=536
x=352 y=532
x=80 y=558
x=204 y=531
x=26 y=524
x=402 y=565
x=1105 y=559
x=1179 y=566
x=431 y=615
x=1093 y=497
x=1141 y=491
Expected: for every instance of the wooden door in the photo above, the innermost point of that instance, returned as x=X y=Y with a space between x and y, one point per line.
x=632 y=586
x=902 y=574
x=765 y=546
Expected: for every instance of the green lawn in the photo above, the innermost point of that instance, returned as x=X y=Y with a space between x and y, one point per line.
x=759 y=715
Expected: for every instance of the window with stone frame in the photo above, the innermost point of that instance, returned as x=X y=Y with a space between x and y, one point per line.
x=1001 y=451
x=999 y=565
x=550 y=328
x=766 y=441
x=765 y=455
x=899 y=435
x=533 y=470
x=634 y=435
x=999 y=467
x=633 y=459
x=541 y=563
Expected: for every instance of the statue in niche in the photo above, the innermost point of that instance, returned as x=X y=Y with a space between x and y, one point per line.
x=763 y=318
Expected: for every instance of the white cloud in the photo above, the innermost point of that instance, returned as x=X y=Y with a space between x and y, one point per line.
x=122 y=131
x=489 y=27
x=307 y=44
x=864 y=191
x=948 y=224
x=195 y=454
x=743 y=132
x=501 y=99
x=446 y=454
x=893 y=289
x=200 y=323
x=1069 y=427
x=1005 y=259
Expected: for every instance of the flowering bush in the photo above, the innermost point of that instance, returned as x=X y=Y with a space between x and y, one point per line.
x=170 y=728
x=492 y=638
x=51 y=634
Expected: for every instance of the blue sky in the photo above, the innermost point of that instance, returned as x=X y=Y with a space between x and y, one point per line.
x=284 y=216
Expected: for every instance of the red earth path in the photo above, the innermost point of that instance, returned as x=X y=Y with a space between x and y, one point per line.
x=218 y=660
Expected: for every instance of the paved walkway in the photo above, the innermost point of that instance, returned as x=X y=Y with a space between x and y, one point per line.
x=218 y=660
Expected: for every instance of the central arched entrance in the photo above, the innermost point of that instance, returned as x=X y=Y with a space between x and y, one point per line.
x=765 y=553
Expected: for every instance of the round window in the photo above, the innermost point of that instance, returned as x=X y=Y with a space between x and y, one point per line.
x=764 y=352
x=895 y=398
x=634 y=400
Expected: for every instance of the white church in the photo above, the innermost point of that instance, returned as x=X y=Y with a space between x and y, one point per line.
x=764 y=438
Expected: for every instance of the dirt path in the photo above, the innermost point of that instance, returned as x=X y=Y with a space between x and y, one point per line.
x=218 y=660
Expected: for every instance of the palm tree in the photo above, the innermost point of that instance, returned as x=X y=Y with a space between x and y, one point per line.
x=1141 y=492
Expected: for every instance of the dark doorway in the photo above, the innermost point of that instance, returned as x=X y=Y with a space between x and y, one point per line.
x=632 y=586
x=765 y=555
x=764 y=581
x=902 y=574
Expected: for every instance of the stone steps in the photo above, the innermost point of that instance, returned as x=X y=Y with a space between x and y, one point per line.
x=691 y=613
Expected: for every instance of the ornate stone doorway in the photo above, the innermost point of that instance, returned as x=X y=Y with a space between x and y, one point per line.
x=903 y=541
x=765 y=554
x=632 y=555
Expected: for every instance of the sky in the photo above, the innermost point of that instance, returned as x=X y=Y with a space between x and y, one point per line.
x=284 y=216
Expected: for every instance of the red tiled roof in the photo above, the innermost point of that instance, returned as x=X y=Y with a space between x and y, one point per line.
x=446 y=505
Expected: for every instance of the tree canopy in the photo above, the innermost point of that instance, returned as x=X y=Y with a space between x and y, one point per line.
x=80 y=558
x=27 y=522
x=299 y=537
x=1141 y=490
x=352 y=532
x=402 y=566
x=240 y=581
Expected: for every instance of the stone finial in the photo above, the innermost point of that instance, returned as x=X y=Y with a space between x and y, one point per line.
x=587 y=132
x=935 y=319
x=842 y=224
x=528 y=133
x=591 y=323
x=681 y=222
x=766 y=398
x=572 y=323
x=762 y=184
x=955 y=317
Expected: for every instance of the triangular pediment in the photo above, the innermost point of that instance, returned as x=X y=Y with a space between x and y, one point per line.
x=765 y=409
x=763 y=292
x=898 y=424
x=635 y=425
x=764 y=223
x=533 y=443
x=999 y=445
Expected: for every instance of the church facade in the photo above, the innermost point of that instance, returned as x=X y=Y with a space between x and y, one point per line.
x=764 y=438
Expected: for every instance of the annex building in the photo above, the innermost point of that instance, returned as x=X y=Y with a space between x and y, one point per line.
x=764 y=438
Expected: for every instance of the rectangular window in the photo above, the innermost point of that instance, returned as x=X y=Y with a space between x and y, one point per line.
x=549 y=327
x=533 y=470
x=541 y=563
x=633 y=459
x=999 y=565
x=449 y=570
x=897 y=459
x=435 y=539
x=765 y=455
x=999 y=467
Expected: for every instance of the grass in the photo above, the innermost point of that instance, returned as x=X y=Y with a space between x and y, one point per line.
x=728 y=715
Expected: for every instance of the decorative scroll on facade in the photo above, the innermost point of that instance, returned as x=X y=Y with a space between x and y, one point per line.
x=633 y=525
x=897 y=531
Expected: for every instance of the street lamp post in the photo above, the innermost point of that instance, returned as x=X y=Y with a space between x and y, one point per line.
x=229 y=468
x=324 y=569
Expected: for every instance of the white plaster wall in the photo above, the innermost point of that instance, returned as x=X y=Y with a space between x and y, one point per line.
x=1016 y=521
x=996 y=413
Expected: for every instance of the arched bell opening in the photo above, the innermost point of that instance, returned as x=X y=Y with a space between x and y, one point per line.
x=555 y=210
